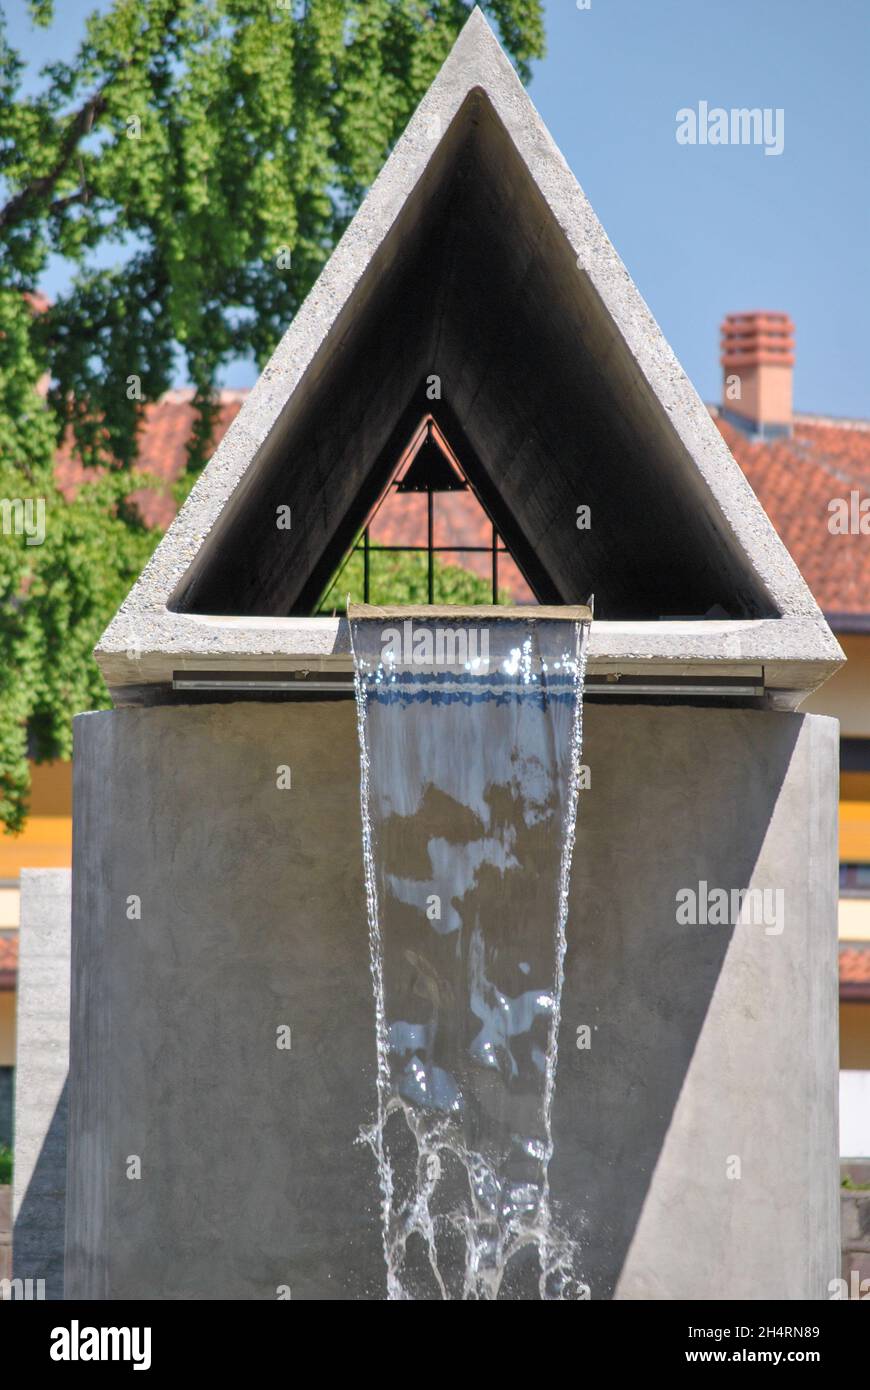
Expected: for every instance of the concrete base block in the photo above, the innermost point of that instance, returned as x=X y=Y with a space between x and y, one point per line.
x=695 y=1139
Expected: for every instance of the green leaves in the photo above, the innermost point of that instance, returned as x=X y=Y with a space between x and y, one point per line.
x=195 y=161
x=41 y=12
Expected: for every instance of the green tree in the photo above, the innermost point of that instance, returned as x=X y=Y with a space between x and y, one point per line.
x=215 y=149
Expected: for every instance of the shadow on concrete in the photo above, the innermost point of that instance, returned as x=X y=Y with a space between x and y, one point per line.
x=670 y=812
x=39 y=1231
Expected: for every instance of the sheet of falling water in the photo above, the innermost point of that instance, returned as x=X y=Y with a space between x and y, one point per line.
x=470 y=745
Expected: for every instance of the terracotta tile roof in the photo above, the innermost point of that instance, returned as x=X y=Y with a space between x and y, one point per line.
x=855 y=972
x=795 y=479
x=37 y=301
x=166 y=428
x=8 y=959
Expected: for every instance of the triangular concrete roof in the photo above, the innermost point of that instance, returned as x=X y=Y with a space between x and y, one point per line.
x=475 y=109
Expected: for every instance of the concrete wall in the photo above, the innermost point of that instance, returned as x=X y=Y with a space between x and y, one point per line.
x=696 y=1141
x=39 y=1177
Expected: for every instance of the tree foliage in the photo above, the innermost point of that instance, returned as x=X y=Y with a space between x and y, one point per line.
x=195 y=160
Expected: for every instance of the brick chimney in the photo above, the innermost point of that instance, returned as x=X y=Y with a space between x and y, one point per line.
x=757 y=361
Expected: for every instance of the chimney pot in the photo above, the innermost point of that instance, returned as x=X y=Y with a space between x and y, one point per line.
x=757 y=361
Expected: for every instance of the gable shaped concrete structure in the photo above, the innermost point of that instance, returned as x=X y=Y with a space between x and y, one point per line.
x=476 y=260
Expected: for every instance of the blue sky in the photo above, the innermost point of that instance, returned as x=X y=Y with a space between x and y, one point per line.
x=703 y=229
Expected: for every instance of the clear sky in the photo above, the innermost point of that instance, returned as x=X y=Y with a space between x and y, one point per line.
x=703 y=229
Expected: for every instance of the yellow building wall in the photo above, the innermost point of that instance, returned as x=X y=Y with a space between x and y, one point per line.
x=847 y=696
x=9 y=907
x=855 y=1037
x=855 y=818
x=46 y=841
x=854 y=919
x=7 y=1028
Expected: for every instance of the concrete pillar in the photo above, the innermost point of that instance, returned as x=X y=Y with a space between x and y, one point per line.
x=39 y=1180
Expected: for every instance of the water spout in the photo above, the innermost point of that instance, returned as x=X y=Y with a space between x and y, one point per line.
x=470 y=744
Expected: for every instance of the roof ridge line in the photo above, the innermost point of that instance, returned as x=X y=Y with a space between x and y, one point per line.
x=840 y=422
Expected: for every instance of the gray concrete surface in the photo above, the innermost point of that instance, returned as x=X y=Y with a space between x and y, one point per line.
x=42 y=1063
x=710 y=1044
x=478 y=252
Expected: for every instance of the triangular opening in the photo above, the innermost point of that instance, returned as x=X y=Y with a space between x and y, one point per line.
x=429 y=538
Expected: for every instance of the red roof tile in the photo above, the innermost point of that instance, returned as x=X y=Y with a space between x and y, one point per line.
x=8 y=959
x=855 y=972
x=795 y=479
x=165 y=430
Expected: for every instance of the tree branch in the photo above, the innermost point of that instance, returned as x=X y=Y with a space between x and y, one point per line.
x=59 y=205
x=16 y=208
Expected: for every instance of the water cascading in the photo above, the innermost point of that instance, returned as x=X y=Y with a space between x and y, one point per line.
x=470 y=739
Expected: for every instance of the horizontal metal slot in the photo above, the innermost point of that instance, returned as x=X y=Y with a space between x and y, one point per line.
x=290 y=682
x=627 y=688
x=341 y=682
x=726 y=687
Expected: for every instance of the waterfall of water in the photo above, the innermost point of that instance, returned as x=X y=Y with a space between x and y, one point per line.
x=470 y=743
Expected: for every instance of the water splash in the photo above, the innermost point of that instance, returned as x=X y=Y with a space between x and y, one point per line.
x=469 y=780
